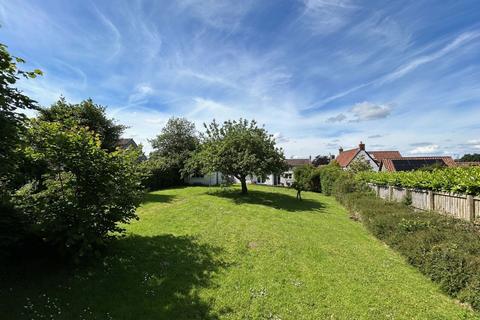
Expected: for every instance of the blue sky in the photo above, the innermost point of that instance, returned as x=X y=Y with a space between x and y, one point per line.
x=318 y=73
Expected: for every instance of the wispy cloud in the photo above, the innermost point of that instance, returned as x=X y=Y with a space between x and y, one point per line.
x=318 y=73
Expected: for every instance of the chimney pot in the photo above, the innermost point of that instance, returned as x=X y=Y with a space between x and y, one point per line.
x=361 y=146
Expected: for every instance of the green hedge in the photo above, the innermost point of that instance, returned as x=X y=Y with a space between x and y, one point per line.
x=457 y=179
x=444 y=249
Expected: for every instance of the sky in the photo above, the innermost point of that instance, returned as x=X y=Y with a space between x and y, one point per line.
x=319 y=74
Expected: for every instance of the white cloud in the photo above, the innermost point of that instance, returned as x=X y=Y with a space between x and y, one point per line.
x=369 y=111
x=425 y=149
x=338 y=118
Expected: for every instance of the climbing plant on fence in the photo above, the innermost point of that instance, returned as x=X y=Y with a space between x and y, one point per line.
x=457 y=180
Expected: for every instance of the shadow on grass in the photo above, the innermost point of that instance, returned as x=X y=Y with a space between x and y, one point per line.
x=275 y=200
x=154 y=197
x=143 y=278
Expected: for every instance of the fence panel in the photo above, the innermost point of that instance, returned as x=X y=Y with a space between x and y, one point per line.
x=420 y=199
x=384 y=192
x=456 y=205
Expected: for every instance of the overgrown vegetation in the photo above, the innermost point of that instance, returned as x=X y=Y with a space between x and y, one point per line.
x=457 y=179
x=445 y=249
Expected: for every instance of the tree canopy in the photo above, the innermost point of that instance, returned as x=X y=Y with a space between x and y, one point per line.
x=85 y=114
x=175 y=143
x=240 y=149
x=12 y=102
x=470 y=157
x=303 y=179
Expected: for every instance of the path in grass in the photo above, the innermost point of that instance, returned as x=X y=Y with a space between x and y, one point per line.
x=200 y=253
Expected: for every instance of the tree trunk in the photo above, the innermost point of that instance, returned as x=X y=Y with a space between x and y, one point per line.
x=299 y=195
x=243 y=181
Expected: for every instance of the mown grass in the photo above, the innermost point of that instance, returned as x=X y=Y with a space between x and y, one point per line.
x=208 y=253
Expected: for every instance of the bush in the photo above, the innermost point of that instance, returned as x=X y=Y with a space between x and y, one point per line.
x=328 y=176
x=83 y=193
x=445 y=249
x=157 y=174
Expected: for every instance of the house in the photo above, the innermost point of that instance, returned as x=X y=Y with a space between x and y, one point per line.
x=374 y=158
x=211 y=179
x=125 y=143
x=285 y=178
x=414 y=163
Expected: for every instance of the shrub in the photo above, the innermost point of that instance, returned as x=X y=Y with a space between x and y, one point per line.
x=158 y=174
x=328 y=175
x=83 y=193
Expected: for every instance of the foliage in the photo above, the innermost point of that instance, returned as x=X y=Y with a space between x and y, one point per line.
x=328 y=175
x=84 y=191
x=157 y=174
x=12 y=103
x=445 y=249
x=474 y=157
x=320 y=160
x=238 y=148
x=175 y=144
x=85 y=114
x=359 y=165
x=454 y=179
x=303 y=178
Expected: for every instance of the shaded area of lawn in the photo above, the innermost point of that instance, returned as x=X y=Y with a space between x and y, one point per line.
x=155 y=197
x=142 y=278
x=277 y=200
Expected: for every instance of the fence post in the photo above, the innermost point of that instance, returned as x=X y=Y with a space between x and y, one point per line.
x=470 y=207
x=390 y=193
x=377 y=190
x=431 y=201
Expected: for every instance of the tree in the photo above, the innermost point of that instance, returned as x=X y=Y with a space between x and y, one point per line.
x=475 y=157
x=359 y=165
x=85 y=192
x=303 y=178
x=239 y=149
x=175 y=144
x=12 y=100
x=12 y=126
x=321 y=160
x=85 y=114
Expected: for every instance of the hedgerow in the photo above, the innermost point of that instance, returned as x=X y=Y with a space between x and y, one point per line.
x=457 y=180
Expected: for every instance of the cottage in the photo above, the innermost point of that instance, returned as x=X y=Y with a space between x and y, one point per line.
x=373 y=158
x=125 y=143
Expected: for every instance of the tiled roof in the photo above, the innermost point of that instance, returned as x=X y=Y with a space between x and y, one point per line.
x=412 y=163
x=297 y=162
x=380 y=155
x=345 y=157
x=125 y=143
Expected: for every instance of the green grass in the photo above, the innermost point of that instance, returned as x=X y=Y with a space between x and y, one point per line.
x=204 y=253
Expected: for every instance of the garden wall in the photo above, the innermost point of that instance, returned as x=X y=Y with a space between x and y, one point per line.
x=460 y=206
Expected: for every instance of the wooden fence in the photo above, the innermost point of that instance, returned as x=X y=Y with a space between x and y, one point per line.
x=460 y=206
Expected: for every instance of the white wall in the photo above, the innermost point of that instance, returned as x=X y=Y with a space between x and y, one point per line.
x=210 y=179
x=362 y=154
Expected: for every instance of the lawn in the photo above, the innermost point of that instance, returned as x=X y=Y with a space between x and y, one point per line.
x=208 y=253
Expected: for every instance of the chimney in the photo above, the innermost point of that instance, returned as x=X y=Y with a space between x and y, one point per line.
x=361 y=146
x=340 y=150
